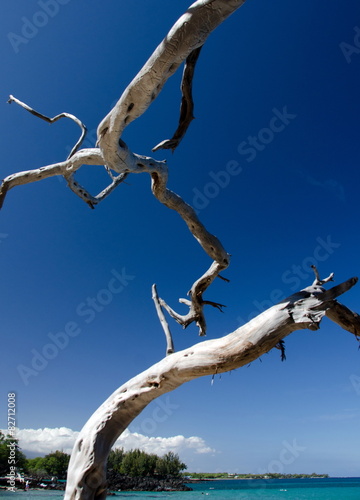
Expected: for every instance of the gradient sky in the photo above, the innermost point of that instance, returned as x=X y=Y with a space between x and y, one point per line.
x=271 y=163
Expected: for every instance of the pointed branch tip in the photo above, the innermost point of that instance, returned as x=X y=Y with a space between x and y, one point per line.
x=53 y=120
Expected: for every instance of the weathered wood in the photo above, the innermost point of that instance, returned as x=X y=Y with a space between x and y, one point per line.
x=187 y=104
x=186 y=36
x=188 y=33
x=53 y=120
x=67 y=168
x=344 y=317
x=305 y=309
x=169 y=340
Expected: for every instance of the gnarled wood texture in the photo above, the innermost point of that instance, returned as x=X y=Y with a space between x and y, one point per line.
x=303 y=310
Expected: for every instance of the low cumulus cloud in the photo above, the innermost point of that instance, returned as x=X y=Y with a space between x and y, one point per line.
x=43 y=441
x=161 y=445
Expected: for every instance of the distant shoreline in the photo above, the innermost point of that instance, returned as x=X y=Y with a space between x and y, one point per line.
x=255 y=477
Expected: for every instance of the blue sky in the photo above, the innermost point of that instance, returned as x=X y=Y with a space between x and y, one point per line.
x=271 y=163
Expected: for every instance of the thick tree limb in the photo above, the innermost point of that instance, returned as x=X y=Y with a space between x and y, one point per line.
x=188 y=33
x=344 y=317
x=305 y=309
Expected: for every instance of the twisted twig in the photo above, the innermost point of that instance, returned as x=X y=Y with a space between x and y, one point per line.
x=53 y=120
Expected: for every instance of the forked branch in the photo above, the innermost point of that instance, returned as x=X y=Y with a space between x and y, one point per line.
x=182 y=43
x=67 y=168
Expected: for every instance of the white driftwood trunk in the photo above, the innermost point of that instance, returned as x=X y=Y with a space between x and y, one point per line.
x=86 y=475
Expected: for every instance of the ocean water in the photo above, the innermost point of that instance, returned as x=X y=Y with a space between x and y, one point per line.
x=275 y=489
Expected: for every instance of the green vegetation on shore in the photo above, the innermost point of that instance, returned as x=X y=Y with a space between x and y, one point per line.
x=134 y=463
x=137 y=463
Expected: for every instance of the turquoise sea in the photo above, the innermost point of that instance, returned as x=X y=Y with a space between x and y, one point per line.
x=275 y=489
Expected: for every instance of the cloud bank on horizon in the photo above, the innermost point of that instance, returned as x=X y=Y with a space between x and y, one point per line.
x=46 y=440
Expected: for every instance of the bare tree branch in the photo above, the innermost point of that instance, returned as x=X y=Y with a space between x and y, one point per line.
x=187 y=104
x=318 y=281
x=188 y=33
x=86 y=477
x=53 y=120
x=169 y=340
x=186 y=37
x=91 y=200
x=344 y=317
x=66 y=168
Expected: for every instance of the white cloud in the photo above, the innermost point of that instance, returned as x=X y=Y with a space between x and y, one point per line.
x=46 y=440
x=161 y=445
x=43 y=441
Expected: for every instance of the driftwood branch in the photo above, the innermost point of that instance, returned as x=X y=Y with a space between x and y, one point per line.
x=67 y=168
x=196 y=304
x=183 y=41
x=188 y=34
x=91 y=200
x=187 y=104
x=344 y=317
x=305 y=309
x=318 y=281
x=169 y=340
x=53 y=120
x=158 y=171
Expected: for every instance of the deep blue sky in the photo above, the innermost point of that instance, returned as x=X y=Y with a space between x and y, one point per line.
x=291 y=200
